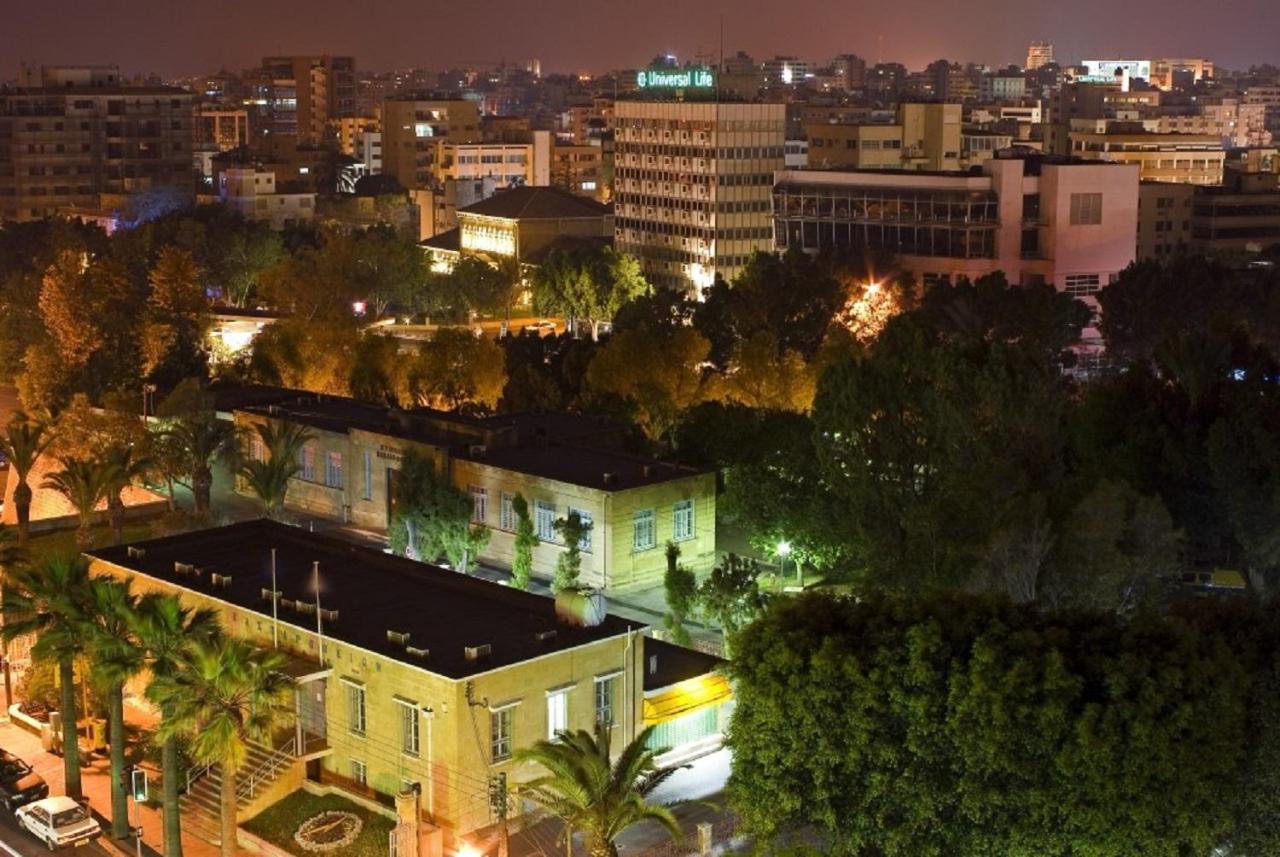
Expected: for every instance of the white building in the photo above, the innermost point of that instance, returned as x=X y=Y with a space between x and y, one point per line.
x=254 y=195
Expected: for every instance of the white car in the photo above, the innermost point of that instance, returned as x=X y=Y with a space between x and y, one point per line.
x=59 y=822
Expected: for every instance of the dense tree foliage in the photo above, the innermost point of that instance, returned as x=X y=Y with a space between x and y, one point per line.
x=958 y=726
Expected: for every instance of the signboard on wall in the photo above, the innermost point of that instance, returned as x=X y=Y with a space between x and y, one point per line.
x=675 y=78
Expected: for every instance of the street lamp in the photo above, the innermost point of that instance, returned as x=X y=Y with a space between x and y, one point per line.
x=783 y=551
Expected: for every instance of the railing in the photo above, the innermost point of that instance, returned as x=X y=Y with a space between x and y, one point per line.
x=266 y=772
x=194 y=774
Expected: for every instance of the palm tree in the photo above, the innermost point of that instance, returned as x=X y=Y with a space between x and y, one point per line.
x=229 y=694
x=83 y=482
x=117 y=657
x=168 y=631
x=10 y=555
x=49 y=601
x=202 y=437
x=269 y=477
x=594 y=794
x=23 y=442
x=122 y=465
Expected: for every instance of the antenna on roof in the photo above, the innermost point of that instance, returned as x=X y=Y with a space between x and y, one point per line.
x=275 y=604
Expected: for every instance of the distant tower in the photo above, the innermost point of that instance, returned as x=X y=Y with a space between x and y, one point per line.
x=1039 y=54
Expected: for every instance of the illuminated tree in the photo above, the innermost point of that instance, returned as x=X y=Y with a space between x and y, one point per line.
x=456 y=368
x=759 y=377
x=658 y=374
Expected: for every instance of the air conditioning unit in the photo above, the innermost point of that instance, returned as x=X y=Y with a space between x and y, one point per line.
x=220 y=581
x=136 y=553
x=399 y=638
x=417 y=652
x=475 y=653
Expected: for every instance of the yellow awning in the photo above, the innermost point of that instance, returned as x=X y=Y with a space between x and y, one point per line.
x=678 y=700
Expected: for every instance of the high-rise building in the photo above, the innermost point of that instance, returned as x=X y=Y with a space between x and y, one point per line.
x=72 y=134
x=692 y=185
x=1039 y=54
x=301 y=94
x=411 y=128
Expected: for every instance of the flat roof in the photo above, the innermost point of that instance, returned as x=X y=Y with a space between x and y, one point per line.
x=442 y=611
x=584 y=466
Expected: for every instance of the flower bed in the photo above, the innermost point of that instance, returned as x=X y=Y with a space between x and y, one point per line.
x=307 y=825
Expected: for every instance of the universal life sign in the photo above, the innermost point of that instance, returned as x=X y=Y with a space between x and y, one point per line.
x=661 y=78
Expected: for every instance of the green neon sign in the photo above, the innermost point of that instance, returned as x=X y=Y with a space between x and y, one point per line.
x=689 y=78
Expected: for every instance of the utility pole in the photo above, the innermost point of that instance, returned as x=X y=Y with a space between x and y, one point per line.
x=498 y=803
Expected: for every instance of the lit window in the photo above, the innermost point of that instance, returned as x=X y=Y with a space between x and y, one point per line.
x=307 y=463
x=682 y=521
x=557 y=712
x=644 y=531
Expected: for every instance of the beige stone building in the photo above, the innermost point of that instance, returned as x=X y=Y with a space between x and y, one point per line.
x=923 y=137
x=1182 y=158
x=559 y=463
x=691 y=186
x=411 y=128
x=411 y=678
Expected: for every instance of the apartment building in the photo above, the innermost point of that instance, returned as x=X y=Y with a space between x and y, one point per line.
x=507 y=164
x=1065 y=222
x=415 y=682
x=1164 y=219
x=1180 y=73
x=580 y=170
x=1182 y=158
x=411 y=129
x=301 y=95
x=925 y=136
x=692 y=184
x=559 y=463
x=1039 y=54
x=77 y=133
x=255 y=195
x=222 y=130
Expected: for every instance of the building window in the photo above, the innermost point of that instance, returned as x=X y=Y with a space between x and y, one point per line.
x=368 y=475
x=587 y=526
x=307 y=463
x=500 y=734
x=359 y=772
x=644 y=531
x=557 y=712
x=1082 y=285
x=506 y=513
x=1086 y=209
x=355 y=708
x=479 y=504
x=333 y=470
x=256 y=451
x=605 y=688
x=544 y=520
x=682 y=521
x=408 y=727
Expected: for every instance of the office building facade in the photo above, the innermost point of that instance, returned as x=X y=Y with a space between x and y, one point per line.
x=692 y=184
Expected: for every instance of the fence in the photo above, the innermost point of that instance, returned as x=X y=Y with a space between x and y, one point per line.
x=722 y=831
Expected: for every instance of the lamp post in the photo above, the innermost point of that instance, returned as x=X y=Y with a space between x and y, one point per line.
x=784 y=550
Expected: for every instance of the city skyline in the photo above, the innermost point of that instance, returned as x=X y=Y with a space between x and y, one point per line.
x=401 y=35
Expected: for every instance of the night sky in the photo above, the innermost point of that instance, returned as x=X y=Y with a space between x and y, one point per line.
x=181 y=37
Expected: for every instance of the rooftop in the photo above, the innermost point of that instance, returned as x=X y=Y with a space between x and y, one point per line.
x=667 y=664
x=443 y=612
x=536 y=203
x=581 y=465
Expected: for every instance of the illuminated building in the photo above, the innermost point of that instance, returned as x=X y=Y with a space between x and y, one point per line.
x=411 y=129
x=222 y=130
x=1067 y=223
x=1180 y=73
x=580 y=170
x=1183 y=158
x=76 y=133
x=692 y=183
x=301 y=95
x=521 y=223
x=1039 y=54
x=411 y=683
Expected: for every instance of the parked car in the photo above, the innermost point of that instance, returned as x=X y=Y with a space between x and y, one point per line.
x=18 y=783
x=59 y=822
x=541 y=328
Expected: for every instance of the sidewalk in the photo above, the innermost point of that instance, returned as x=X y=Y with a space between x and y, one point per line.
x=95 y=777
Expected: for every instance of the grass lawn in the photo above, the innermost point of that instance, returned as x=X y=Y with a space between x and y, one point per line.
x=279 y=822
